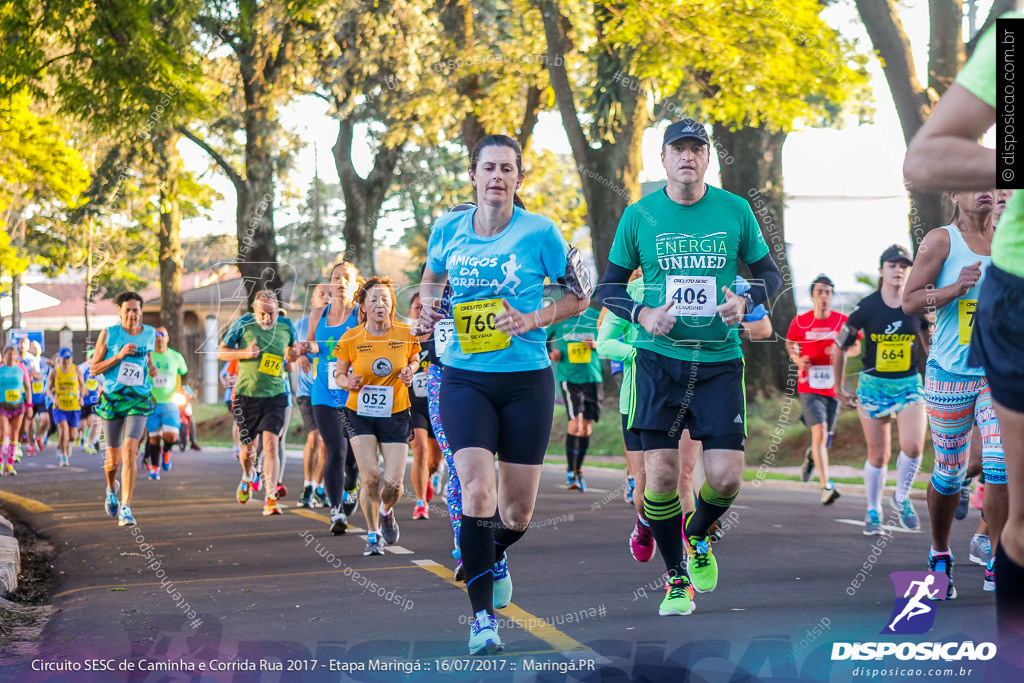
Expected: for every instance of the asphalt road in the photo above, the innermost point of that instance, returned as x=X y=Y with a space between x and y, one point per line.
x=205 y=589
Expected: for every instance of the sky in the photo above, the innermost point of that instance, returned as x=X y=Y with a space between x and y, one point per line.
x=845 y=184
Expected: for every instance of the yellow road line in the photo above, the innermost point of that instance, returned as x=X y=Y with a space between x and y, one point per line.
x=536 y=626
x=326 y=520
x=140 y=501
x=28 y=503
x=240 y=579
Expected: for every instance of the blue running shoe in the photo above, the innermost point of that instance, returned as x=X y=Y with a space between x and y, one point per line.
x=483 y=636
x=110 y=504
x=502 y=583
x=124 y=517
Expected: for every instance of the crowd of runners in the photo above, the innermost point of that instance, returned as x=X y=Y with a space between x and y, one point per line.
x=467 y=380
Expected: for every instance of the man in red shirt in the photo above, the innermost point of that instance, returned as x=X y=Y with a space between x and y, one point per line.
x=810 y=343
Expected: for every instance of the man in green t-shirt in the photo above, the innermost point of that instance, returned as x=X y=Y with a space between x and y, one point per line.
x=262 y=343
x=166 y=419
x=945 y=155
x=572 y=347
x=688 y=238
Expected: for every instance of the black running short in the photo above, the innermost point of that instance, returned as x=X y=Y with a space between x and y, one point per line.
x=306 y=410
x=670 y=395
x=256 y=415
x=508 y=413
x=632 y=439
x=87 y=411
x=998 y=328
x=394 y=429
x=420 y=414
x=582 y=399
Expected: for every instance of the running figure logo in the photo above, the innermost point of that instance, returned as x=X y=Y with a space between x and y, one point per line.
x=914 y=611
x=508 y=269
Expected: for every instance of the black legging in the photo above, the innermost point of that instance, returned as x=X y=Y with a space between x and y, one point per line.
x=340 y=469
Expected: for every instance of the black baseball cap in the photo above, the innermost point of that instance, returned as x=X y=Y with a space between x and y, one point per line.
x=895 y=253
x=687 y=128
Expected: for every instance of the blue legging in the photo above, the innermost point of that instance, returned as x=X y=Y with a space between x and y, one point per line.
x=454 y=491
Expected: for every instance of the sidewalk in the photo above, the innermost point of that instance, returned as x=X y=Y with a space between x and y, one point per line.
x=10 y=557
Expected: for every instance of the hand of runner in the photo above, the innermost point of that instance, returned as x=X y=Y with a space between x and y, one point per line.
x=512 y=322
x=430 y=313
x=849 y=400
x=969 y=276
x=304 y=364
x=352 y=382
x=302 y=348
x=803 y=363
x=555 y=356
x=406 y=373
x=127 y=350
x=152 y=370
x=657 y=321
x=592 y=343
x=254 y=350
x=733 y=308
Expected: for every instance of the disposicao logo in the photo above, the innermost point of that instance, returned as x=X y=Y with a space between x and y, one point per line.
x=914 y=611
x=914 y=614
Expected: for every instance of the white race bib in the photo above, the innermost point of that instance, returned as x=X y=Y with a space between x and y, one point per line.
x=444 y=332
x=691 y=295
x=419 y=385
x=332 y=383
x=820 y=377
x=162 y=382
x=130 y=374
x=375 y=401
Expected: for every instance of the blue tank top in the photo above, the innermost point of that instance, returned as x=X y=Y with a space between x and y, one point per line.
x=92 y=396
x=12 y=383
x=954 y=321
x=132 y=372
x=304 y=380
x=326 y=337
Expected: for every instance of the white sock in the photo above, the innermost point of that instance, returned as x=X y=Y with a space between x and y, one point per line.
x=309 y=482
x=906 y=468
x=383 y=511
x=643 y=521
x=873 y=482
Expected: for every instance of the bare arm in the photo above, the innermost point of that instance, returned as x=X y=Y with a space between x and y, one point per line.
x=100 y=363
x=225 y=352
x=758 y=329
x=920 y=295
x=952 y=132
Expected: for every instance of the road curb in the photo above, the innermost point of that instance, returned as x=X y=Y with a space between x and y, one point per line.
x=10 y=556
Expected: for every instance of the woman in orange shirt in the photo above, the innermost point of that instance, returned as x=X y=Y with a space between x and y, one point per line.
x=382 y=355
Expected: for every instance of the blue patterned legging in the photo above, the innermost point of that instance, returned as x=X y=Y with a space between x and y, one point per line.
x=434 y=374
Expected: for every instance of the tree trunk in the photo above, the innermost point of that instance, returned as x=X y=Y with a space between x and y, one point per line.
x=609 y=174
x=257 y=250
x=169 y=238
x=87 y=298
x=15 y=301
x=756 y=175
x=363 y=197
x=913 y=102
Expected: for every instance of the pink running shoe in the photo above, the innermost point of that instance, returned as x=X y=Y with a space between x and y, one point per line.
x=641 y=542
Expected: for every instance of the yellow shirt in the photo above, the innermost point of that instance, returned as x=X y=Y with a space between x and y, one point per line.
x=65 y=386
x=379 y=360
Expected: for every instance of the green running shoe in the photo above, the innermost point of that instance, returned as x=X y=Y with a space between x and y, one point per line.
x=701 y=565
x=678 y=598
